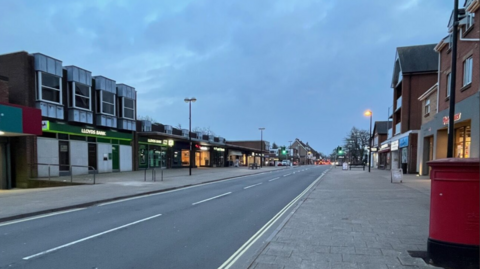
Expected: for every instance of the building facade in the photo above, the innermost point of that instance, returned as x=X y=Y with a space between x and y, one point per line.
x=379 y=135
x=415 y=70
x=87 y=122
x=434 y=133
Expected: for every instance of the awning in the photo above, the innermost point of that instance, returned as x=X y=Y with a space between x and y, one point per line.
x=384 y=150
x=234 y=153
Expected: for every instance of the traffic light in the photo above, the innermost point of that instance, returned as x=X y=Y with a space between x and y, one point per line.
x=284 y=151
x=340 y=150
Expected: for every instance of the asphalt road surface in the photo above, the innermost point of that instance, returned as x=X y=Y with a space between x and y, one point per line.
x=195 y=227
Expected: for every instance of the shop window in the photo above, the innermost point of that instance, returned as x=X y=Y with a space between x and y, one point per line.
x=427 y=106
x=49 y=88
x=462 y=142
x=80 y=96
x=185 y=157
x=467 y=71
x=106 y=103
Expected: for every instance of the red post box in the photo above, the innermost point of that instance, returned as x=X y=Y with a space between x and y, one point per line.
x=454 y=212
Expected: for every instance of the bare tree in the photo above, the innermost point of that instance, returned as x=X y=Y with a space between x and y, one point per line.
x=274 y=146
x=147 y=118
x=356 y=142
x=179 y=126
x=204 y=130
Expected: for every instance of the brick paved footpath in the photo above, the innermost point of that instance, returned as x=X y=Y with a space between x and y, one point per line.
x=354 y=219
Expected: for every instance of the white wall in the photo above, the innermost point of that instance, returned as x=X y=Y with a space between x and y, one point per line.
x=47 y=152
x=125 y=158
x=79 y=156
x=102 y=149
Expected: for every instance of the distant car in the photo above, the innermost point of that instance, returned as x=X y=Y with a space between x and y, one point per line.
x=284 y=163
x=279 y=164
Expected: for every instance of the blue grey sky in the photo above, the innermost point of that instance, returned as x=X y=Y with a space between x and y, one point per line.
x=299 y=68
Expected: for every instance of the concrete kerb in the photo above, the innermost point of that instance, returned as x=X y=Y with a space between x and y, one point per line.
x=286 y=219
x=96 y=202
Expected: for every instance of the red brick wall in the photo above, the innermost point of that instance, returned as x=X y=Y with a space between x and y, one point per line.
x=413 y=87
x=464 y=50
x=3 y=91
x=18 y=67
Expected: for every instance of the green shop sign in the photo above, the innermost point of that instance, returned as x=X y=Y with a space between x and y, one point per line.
x=160 y=142
x=53 y=127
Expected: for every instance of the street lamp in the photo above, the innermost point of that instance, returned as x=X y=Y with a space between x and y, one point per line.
x=189 y=101
x=290 y=152
x=261 y=146
x=369 y=113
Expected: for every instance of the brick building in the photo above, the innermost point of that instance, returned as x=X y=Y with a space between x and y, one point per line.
x=415 y=70
x=379 y=135
x=434 y=135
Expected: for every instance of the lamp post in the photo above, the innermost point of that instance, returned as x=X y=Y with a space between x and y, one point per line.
x=369 y=113
x=453 y=79
x=190 y=101
x=290 y=151
x=261 y=146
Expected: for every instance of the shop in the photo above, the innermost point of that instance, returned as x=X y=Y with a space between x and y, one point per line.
x=72 y=149
x=374 y=160
x=218 y=157
x=403 y=149
x=153 y=152
x=202 y=156
x=180 y=154
x=384 y=155
x=236 y=158
x=434 y=134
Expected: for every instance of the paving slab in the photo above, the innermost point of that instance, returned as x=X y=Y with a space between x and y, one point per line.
x=355 y=219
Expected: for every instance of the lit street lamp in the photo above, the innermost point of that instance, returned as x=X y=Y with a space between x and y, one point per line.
x=189 y=101
x=261 y=146
x=369 y=113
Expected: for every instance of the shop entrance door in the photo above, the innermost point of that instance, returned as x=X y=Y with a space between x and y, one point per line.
x=92 y=156
x=115 y=157
x=395 y=160
x=3 y=167
x=64 y=155
x=197 y=159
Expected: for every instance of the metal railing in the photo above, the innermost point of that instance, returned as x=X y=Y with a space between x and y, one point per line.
x=154 y=173
x=70 y=166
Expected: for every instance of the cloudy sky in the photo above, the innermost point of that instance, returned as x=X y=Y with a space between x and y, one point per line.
x=299 y=68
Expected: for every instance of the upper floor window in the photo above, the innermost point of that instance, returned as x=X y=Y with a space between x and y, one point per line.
x=81 y=96
x=449 y=80
x=467 y=71
x=49 y=88
x=470 y=20
x=106 y=101
x=128 y=108
x=427 y=106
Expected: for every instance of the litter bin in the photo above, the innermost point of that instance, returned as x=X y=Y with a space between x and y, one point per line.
x=454 y=212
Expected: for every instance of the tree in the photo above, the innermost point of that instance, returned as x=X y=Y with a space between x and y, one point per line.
x=204 y=130
x=274 y=146
x=356 y=143
x=179 y=126
x=147 y=118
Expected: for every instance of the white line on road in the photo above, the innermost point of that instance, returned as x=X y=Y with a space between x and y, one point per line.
x=41 y=216
x=287 y=175
x=248 y=187
x=228 y=263
x=90 y=237
x=274 y=179
x=215 y=197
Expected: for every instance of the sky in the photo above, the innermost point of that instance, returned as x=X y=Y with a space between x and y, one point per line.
x=304 y=69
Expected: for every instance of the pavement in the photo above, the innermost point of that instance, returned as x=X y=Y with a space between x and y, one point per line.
x=354 y=219
x=20 y=203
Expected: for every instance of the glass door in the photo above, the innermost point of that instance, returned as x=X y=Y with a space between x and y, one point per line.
x=92 y=156
x=64 y=155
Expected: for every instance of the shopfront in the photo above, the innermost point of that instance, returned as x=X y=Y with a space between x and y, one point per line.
x=180 y=154
x=384 y=155
x=434 y=133
x=202 y=156
x=76 y=149
x=374 y=157
x=153 y=152
x=218 y=157
x=236 y=157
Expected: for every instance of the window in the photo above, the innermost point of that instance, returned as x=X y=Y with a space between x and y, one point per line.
x=470 y=20
x=467 y=71
x=128 y=108
x=449 y=79
x=80 y=97
x=450 y=41
x=427 y=106
x=49 y=88
x=107 y=105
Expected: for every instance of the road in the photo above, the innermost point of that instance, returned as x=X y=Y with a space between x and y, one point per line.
x=194 y=227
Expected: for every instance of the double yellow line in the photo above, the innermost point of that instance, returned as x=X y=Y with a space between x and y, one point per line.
x=228 y=263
